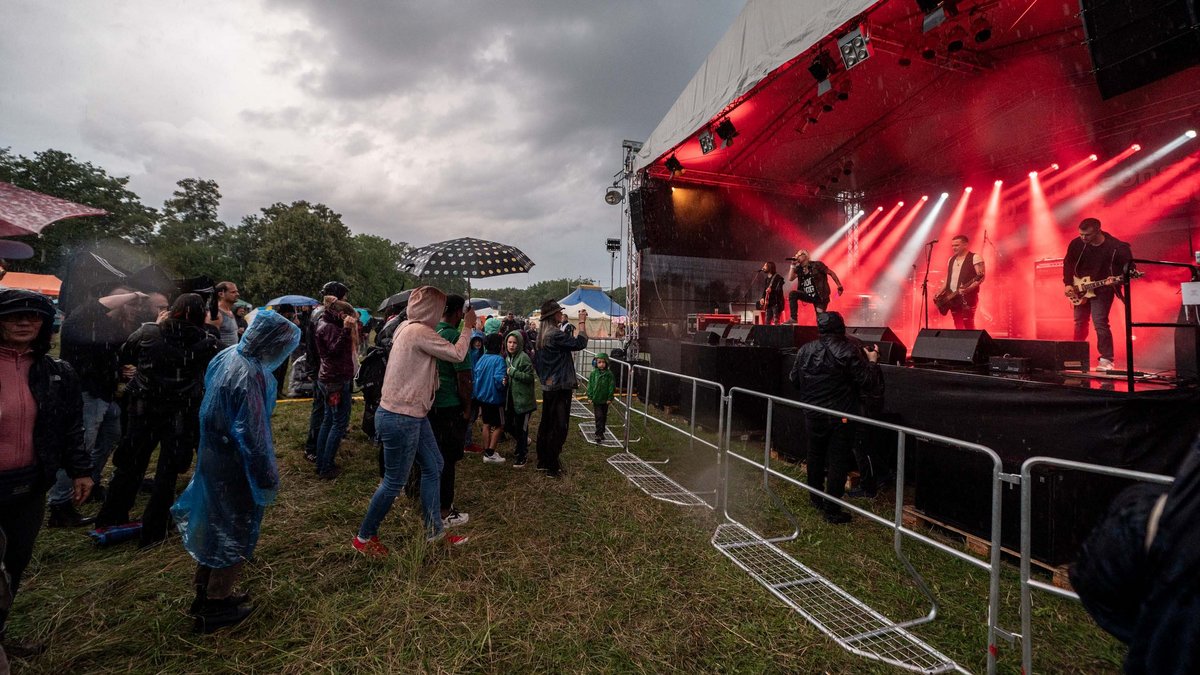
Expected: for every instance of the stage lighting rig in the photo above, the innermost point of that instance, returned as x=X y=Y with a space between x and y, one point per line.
x=956 y=39
x=672 y=164
x=982 y=28
x=855 y=46
x=614 y=195
x=726 y=132
x=707 y=144
x=821 y=68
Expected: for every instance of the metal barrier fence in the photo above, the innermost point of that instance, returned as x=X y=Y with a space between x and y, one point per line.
x=896 y=524
x=1027 y=583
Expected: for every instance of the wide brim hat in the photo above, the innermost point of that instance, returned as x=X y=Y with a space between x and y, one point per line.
x=550 y=307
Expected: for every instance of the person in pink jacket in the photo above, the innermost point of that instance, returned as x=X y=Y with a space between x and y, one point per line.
x=401 y=422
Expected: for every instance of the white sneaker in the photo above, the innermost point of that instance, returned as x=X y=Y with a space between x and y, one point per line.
x=494 y=458
x=1104 y=366
x=455 y=518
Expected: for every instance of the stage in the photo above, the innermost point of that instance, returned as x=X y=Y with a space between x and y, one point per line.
x=1068 y=416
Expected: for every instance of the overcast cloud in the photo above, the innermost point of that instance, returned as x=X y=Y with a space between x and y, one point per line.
x=418 y=121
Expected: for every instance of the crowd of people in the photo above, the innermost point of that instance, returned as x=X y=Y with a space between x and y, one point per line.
x=145 y=367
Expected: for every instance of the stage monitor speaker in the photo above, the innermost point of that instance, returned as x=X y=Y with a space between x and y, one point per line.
x=708 y=337
x=739 y=334
x=787 y=336
x=1134 y=42
x=891 y=349
x=1048 y=354
x=952 y=347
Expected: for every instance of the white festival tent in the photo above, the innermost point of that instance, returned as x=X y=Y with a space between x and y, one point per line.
x=604 y=314
x=766 y=35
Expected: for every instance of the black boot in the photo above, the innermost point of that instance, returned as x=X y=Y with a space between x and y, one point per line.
x=202 y=596
x=22 y=649
x=217 y=614
x=66 y=515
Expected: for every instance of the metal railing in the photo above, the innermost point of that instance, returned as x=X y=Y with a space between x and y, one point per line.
x=1027 y=583
x=900 y=532
x=1130 y=324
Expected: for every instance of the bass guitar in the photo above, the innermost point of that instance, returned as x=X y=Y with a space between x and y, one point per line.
x=1083 y=288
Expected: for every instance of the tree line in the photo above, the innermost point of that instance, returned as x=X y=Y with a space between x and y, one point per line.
x=284 y=248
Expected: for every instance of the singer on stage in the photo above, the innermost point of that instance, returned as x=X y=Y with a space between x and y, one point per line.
x=812 y=284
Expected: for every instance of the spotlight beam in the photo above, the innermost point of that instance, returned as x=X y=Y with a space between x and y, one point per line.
x=832 y=240
x=889 y=286
x=1076 y=205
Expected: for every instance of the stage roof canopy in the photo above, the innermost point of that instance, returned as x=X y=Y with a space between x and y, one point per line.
x=898 y=122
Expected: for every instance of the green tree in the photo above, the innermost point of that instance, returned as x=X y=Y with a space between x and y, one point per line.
x=376 y=273
x=58 y=174
x=295 y=248
x=191 y=240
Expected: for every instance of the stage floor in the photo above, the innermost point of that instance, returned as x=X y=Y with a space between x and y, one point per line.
x=1090 y=380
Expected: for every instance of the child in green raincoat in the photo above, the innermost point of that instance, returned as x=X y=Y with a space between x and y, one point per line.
x=520 y=401
x=601 y=385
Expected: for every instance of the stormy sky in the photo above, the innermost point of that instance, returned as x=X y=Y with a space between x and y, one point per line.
x=418 y=121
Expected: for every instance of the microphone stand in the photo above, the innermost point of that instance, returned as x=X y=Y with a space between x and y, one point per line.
x=749 y=285
x=925 y=283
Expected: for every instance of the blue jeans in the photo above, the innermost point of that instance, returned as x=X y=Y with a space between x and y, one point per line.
x=333 y=424
x=1097 y=310
x=405 y=438
x=101 y=432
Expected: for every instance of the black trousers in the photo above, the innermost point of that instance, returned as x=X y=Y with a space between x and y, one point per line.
x=450 y=432
x=829 y=457
x=601 y=412
x=552 y=430
x=175 y=429
x=315 y=418
x=21 y=520
x=517 y=425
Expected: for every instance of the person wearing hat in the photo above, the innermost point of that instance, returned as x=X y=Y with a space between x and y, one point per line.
x=600 y=387
x=833 y=372
x=555 y=365
x=41 y=432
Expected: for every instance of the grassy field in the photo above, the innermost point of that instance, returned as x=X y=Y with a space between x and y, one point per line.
x=583 y=574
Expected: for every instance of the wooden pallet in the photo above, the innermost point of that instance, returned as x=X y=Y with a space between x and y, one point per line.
x=980 y=546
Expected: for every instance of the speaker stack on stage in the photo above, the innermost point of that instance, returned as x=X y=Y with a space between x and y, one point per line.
x=891 y=349
x=953 y=347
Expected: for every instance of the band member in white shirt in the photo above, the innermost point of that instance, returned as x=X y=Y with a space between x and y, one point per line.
x=963 y=277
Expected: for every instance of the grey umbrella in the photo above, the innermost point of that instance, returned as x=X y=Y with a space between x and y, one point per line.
x=466 y=257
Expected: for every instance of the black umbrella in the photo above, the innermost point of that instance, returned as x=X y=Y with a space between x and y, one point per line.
x=400 y=298
x=484 y=303
x=466 y=257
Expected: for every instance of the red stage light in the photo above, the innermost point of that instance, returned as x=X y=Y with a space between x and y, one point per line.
x=1054 y=166
x=879 y=209
x=1094 y=158
x=945 y=195
x=925 y=198
x=1033 y=174
x=1135 y=147
x=1190 y=133
x=899 y=203
x=998 y=183
x=968 y=189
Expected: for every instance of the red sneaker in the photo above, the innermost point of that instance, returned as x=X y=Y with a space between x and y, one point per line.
x=370 y=548
x=449 y=539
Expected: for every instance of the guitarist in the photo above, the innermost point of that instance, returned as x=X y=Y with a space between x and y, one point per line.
x=1098 y=255
x=964 y=274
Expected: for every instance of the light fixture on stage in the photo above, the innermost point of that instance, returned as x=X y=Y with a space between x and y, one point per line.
x=1135 y=147
x=936 y=12
x=968 y=189
x=843 y=93
x=614 y=195
x=982 y=28
x=1190 y=133
x=827 y=106
x=924 y=198
x=956 y=39
x=821 y=68
x=945 y=195
x=998 y=183
x=1054 y=166
x=848 y=168
x=928 y=53
x=1033 y=174
x=726 y=132
x=707 y=144
x=1094 y=157
x=673 y=165
x=855 y=46
x=904 y=62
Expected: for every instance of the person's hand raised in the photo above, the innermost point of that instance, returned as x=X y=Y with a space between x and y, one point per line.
x=469 y=317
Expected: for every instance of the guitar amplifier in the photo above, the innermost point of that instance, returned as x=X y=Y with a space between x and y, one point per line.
x=703 y=321
x=1009 y=365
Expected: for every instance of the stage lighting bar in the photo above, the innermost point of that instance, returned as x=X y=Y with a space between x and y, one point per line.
x=936 y=13
x=707 y=144
x=855 y=46
x=726 y=132
x=832 y=240
x=673 y=165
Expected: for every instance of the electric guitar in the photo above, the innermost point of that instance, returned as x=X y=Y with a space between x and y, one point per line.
x=1083 y=288
x=947 y=300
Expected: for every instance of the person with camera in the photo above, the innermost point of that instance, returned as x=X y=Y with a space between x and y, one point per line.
x=555 y=365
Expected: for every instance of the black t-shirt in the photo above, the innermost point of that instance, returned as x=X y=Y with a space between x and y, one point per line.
x=90 y=340
x=1098 y=262
x=813 y=283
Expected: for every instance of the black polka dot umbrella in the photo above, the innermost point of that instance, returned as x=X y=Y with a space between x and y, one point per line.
x=465 y=257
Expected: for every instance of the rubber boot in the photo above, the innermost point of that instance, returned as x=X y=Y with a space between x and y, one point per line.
x=217 y=614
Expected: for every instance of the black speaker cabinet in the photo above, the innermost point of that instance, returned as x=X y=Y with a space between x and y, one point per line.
x=787 y=336
x=739 y=334
x=1187 y=348
x=952 y=347
x=891 y=349
x=665 y=354
x=1048 y=354
x=710 y=336
x=1135 y=42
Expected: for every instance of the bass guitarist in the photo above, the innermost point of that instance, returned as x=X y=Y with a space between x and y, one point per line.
x=1093 y=256
x=964 y=275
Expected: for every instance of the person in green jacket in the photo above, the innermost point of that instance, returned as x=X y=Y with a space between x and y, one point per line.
x=520 y=402
x=601 y=385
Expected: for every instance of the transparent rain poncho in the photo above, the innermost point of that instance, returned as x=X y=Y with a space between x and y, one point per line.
x=220 y=512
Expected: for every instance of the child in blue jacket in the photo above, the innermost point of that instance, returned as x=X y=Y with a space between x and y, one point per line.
x=491 y=379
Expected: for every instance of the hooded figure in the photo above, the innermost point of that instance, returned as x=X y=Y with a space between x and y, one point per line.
x=220 y=512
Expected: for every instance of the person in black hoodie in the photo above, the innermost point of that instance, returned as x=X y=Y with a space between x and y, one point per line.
x=833 y=372
x=163 y=402
x=41 y=431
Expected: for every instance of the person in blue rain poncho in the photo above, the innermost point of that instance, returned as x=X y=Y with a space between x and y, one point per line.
x=220 y=512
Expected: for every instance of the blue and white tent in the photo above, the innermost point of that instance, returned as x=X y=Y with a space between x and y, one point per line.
x=602 y=311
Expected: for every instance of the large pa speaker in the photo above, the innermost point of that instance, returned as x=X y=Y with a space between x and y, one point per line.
x=710 y=336
x=787 y=336
x=739 y=334
x=637 y=218
x=1048 y=354
x=952 y=347
x=1136 y=42
x=891 y=349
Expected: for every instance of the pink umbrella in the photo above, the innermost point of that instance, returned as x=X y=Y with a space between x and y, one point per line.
x=28 y=212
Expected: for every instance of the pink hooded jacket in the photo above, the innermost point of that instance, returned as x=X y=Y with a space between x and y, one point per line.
x=411 y=377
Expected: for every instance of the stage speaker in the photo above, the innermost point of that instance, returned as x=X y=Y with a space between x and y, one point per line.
x=1048 y=354
x=1134 y=42
x=739 y=334
x=787 y=336
x=637 y=218
x=711 y=336
x=1053 y=314
x=891 y=349
x=1187 y=347
x=952 y=347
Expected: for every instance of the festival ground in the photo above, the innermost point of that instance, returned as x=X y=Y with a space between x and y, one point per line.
x=582 y=574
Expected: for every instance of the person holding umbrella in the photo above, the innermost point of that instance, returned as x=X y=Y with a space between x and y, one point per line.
x=556 y=367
